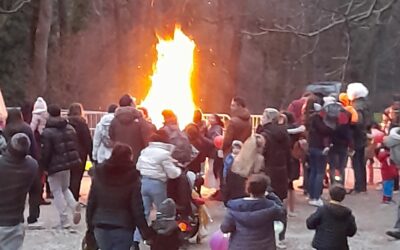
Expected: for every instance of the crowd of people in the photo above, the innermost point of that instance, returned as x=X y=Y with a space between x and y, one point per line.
x=138 y=167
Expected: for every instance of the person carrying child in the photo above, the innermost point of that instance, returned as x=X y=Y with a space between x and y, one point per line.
x=333 y=222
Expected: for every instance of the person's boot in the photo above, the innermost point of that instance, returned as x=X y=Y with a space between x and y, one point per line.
x=394 y=234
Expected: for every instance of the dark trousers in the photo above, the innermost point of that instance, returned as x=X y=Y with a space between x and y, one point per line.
x=396 y=182
x=337 y=162
x=360 y=171
x=113 y=239
x=35 y=195
x=76 y=179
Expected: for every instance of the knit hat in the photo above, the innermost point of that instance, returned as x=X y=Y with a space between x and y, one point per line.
x=20 y=143
x=126 y=101
x=54 y=110
x=167 y=209
x=39 y=106
x=237 y=143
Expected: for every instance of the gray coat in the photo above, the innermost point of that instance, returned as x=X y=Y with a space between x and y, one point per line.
x=251 y=223
x=393 y=143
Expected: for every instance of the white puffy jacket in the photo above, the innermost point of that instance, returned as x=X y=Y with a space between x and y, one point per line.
x=155 y=162
x=102 y=145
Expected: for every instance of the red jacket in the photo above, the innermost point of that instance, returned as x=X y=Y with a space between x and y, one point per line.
x=388 y=168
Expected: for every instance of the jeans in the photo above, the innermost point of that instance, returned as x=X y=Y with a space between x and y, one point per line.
x=388 y=188
x=63 y=198
x=337 y=162
x=317 y=172
x=153 y=192
x=113 y=239
x=76 y=179
x=360 y=172
x=35 y=195
x=12 y=238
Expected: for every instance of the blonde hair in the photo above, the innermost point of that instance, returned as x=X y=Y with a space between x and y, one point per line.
x=250 y=159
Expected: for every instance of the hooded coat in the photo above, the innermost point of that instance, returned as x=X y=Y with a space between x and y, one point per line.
x=333 y=224
x=277 y=156
x=39 y=116
x=251 y=223
x=114 y=199
x=59 y=146
x=130 y=128
x=239 y=128
x=393 y=143
x=102 y=144
x=85 y=144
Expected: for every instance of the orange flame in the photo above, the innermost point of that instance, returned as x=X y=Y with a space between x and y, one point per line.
x=171 y=80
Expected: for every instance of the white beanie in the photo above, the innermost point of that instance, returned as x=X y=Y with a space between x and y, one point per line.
x=40 y=106
x=356 y=90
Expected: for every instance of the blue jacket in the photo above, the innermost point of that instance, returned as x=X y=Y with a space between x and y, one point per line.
x=228 y=162
x=251 y=223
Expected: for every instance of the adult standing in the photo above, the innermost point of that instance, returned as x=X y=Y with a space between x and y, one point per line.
x=239 y=127
x=129 y=127
x=59 y=155
x=16 y=124
x=215 y=161
x=391 y=116
x=319 y=136
x=277 y=156
x=38 y=122
x=102 y=144
x=85 y=146
x=17 y=173
x=357 y=94
x=115 y=205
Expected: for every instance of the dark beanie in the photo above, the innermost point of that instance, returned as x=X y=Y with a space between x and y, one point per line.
x=125 y=101
x=54 y=110
x=167 y=209
x=20 y=143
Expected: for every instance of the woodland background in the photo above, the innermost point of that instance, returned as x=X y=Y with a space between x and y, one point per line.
x=267 y=51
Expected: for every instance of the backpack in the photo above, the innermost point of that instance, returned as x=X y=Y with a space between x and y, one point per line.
x=183 y=149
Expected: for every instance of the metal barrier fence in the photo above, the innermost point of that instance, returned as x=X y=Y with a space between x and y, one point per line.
x=93 y=117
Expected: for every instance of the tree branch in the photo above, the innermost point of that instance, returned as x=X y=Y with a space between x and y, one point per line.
x=16 y=8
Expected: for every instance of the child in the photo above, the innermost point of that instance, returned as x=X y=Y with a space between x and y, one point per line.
x=166 y=227
x=333 y=222
x=388 y=171
x=228 y=162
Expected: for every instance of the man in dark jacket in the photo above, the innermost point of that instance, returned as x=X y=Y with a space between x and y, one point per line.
x=333 y=223
x=17 y=173
x=360 y=142
x=239 y=127
x=16 y=124
x=129 y=127
x=59 y=155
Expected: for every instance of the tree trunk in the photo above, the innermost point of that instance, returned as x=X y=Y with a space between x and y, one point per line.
x=41 y=47
x=62 y=15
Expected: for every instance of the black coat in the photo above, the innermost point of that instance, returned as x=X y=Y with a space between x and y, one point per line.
x=319 y=134
x=115 y=199
x=59 y=146
x=129 y=127
x=85 y=144
x=277 y=156
x=235 y=187
x=333 y=224
x=16 y=177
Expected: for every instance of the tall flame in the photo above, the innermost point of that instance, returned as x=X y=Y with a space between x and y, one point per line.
x=171 y=80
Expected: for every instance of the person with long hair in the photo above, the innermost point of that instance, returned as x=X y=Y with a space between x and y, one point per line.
x=115 y=206
x=77 y=120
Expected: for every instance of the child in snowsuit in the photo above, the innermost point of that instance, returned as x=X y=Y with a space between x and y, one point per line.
x=388 y=171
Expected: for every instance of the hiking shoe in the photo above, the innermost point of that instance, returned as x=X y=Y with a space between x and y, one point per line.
x=76 y=217
x=394 y=234
x=316 y=203
x=280 y=244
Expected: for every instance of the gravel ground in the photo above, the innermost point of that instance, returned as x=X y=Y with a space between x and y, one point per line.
x=373 y=219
